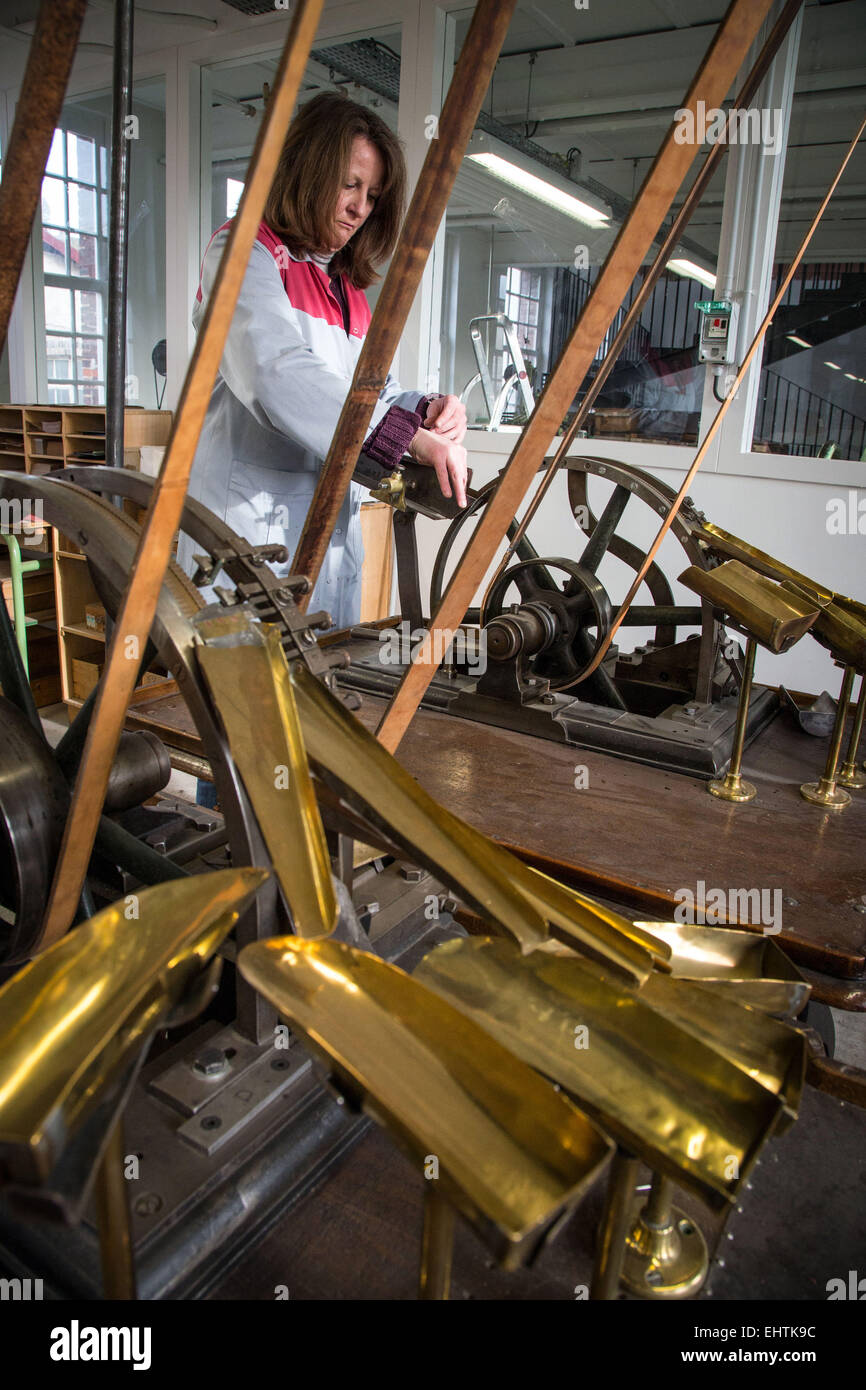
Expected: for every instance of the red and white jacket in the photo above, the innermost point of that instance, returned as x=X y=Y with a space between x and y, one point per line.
x=285 y=373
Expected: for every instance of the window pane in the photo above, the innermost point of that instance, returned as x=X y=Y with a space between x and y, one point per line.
x=82 y=207
x=90 y=395
x=103 y=198
x=88 y=311
x=103 y=166
x=83 y=255
x=53 y=202
x=59 y=358
x=89 y=357
x=234 y=189
x=62 y=395
x=82 y=158
x=55 y=252
x=58 y=307
x=55 y=158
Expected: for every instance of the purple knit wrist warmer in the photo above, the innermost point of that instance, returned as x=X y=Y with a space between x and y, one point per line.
x=392 y=436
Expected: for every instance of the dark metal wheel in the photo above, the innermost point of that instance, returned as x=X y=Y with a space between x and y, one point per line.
x=569 y=613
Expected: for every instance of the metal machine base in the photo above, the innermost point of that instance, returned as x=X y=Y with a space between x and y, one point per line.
x=692 y=738
x=228 y=1135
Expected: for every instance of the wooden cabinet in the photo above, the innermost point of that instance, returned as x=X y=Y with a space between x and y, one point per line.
x=38 y=439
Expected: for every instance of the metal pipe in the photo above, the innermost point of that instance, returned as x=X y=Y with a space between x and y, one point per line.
x=614 y=1227
x=112 y=1218
x=715 y=74
x=437 y=1245
x=825 y=792
x=36 y=115
x=459 y=113
x=849 y=775
x=733 y=787
x=118 y=248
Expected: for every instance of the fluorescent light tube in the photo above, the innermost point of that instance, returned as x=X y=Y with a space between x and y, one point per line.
x=801 y=342
x=692 y=271
x=834 y=365
x=542 y=190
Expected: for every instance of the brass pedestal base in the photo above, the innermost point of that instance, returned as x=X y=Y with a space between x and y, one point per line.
x=668 y=1260
x=732 y=787
x=850 y=777
x=825 y=793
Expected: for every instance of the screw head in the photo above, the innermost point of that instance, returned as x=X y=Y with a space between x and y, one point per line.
x=211 y=1122
x=211 y=1061
x=148 y=1204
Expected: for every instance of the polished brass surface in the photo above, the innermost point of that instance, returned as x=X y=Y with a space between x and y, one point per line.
x=683 y=1079
x=511 y=1154
x=138 y=605
x=112 y=1219
x=437 y=1245
x=246 y=672
x=73 y=1019
x=774 y=616
x=747 y=967
x=492 y=882
x=392 y=490
x=614 y=1226
x=849 y=774
x=733 y=786
x=841 y=622
x=825 y=792
x=721 y=63
x=666 y=1254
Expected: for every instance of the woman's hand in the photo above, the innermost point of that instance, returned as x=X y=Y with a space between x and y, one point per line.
x=447 y=418
x=448 y=460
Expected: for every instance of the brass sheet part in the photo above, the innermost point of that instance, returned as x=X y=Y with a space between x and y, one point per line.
x=557 y=900
x=841 y=622
x=752 y=969
x=663 y=1092
x=512 y=1152
x=775 y=617
x=722 y=61
x=139 y=602
x=74 y=1017
x=248 y=678
x=485 y=876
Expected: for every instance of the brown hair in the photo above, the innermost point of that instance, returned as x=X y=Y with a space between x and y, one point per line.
x=312 y=169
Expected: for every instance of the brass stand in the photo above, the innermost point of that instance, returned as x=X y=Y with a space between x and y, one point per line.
x=665 y=1253
x=848 y=775
x=733 y=787
x=826 y=793
x=112 y=1211
x=437 y=1245
x=614 y=1227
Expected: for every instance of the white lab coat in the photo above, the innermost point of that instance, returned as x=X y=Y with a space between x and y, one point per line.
x=284 y=376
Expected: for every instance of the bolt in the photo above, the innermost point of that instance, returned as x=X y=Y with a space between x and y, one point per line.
x=148 y=1204
x=791 y=902
x=211 y=1122
x=860 y=907
x=412 y=873
x=211 y=1062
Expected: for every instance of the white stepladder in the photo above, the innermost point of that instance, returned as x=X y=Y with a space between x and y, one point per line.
x=515 y=376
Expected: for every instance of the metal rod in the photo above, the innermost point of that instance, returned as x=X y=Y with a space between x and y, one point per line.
x=657 y=1211
x=115 y=394
x=714 y=77
x=138 y=605
x=112 y=1216
x=614 y=1227
x=437 y=1245
x=733 y=787
x=719 y=416
x=849 y=775
x=825 y=792
x=435 y=182
x=680 y=222
x=36 y=115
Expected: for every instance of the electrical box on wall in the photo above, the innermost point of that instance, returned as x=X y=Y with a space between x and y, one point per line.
x=718 y=340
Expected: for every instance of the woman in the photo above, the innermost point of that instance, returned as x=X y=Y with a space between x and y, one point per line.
x=333 y=215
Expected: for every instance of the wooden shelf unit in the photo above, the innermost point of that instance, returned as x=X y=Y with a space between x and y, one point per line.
x=39 y=439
